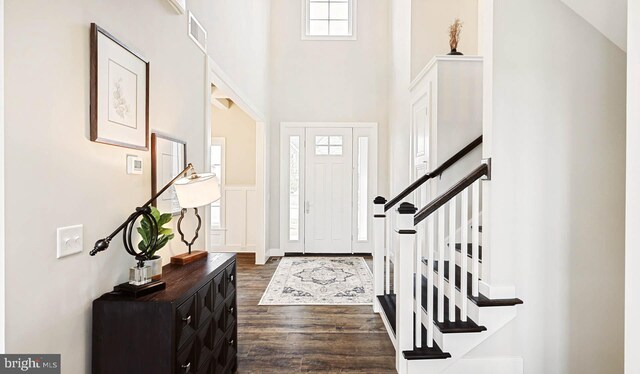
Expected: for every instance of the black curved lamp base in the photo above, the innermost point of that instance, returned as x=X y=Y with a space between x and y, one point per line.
x=191 y=256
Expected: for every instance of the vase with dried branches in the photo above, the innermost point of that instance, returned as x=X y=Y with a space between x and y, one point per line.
x=454 y=37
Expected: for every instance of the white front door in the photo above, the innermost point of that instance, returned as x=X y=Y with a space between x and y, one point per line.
x=328 y=190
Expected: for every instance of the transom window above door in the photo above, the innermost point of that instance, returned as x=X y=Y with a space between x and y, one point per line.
x=329 y=145
x=329 y=20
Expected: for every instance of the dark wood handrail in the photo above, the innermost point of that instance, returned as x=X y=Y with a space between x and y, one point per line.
x=439 y=201
x=439 y=170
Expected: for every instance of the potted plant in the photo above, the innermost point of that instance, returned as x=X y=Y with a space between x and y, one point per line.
x=154 y=262
x=454 y=37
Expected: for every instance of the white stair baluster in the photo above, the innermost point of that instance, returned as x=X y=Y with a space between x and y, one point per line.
x=396 y=247
x=452 y=260
x=418 y=285
x=475 y=229
x=441 y=221
x=431 y=243
x=464 y=242
x=388 y=239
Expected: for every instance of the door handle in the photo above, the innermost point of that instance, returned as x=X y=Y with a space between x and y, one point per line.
x=307 y=207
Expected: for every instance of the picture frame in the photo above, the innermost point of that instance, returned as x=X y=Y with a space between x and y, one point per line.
x=168 y=158
x=119 y=106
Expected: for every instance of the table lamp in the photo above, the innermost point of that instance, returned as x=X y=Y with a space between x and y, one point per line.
x=193 y=191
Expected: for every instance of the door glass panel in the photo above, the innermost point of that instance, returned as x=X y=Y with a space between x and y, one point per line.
x=216 y=167
x=294 y=188
x=335 y=140
x=363 y=178
x=335 y=150
x=322 y=150
x=322 y=140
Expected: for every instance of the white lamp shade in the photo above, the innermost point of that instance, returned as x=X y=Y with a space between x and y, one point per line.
x=196 y=192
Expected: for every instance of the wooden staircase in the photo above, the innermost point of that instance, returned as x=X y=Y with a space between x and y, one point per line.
x=429 y=297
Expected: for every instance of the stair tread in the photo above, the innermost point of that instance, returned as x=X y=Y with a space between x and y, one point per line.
x=448 y=327
x=388 y=304
x=481 y=300
x=426 y=353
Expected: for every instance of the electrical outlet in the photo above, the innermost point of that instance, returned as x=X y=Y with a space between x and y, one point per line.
x=69 y=240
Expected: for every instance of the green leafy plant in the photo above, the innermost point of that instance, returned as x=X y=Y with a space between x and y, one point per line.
x=164 y=233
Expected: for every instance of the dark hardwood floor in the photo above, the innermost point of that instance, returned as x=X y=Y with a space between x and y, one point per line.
x=294 y=339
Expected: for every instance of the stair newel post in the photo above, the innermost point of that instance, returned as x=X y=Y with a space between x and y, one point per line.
x=404 y=292
x=378 y=249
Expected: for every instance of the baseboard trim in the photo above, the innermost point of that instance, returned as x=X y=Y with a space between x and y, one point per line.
x=497 y=292
x=234 y=248
x=275 y=252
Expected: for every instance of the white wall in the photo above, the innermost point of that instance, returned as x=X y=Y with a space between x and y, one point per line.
x=326 y=81
x=632 y=307
x=65 y=179
x=418 y=31
x=430 y=21
x=609 y=17
x=2 y=213
x=399 y=99
x=557 y=202
x=239 y=41
x=239 y=131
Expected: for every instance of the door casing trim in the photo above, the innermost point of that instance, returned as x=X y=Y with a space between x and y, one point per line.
x=288 y=128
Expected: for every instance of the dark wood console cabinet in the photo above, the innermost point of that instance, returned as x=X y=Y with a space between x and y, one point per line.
x=190 y=327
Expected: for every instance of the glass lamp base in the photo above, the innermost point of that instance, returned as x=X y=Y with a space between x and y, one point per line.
x=139 y=275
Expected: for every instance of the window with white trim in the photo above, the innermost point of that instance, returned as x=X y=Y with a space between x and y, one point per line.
x=329 y=20
x=217 y=167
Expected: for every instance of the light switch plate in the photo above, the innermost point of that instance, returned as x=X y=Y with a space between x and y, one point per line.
x=69 y=240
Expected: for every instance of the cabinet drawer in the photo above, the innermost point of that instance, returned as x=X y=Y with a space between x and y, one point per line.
x=219 y=324
x=231 y=312
x=219 y=358
x=187 y=358
x=186 y=320
x=205 y=343
x=219 y=289
x=205 y=298
x=230 y=340
x=230 y=279
x=205 y=369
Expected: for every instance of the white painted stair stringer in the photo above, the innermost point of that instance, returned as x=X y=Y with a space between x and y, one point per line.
x=490 y=365
x=493 y=318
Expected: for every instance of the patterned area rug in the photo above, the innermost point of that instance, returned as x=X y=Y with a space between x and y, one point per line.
x=320 y=281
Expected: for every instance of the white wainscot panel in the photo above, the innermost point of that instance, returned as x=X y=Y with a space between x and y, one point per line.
x=239 y=234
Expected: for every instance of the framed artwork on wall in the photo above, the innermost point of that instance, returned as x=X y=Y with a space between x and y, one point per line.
x=168 y=158
x=119 y=93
